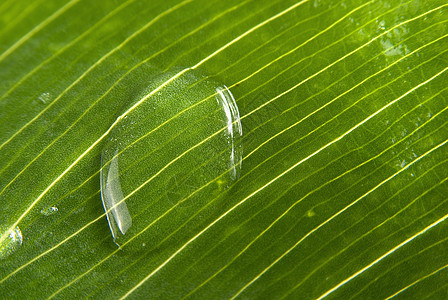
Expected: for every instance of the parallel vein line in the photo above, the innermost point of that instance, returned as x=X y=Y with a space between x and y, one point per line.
x=7 y=232
x=344 y=93
x=138 y=234
x=307 y=115
x=307 y=41
x=416 y=282
x=387 y=253
x=319 y=51
x=389 y=219
x=334 y=216
x=311 y=192
x=88 y=109
x=104 y=57
x=393 y=266
x=181 y=4
x=102 y=96
x=53 y=248
x=110 y=89
x=68 y=45
x=23 y=15
x=36 y=29
x=250 y=31
x=343 y=57
x=56 y=246
x=275 y=179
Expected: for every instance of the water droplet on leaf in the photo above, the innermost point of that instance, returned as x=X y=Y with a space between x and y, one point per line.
x=45 y=97
x=116 y=210
x=49 y=211
x=177 y=148
x=11 y=243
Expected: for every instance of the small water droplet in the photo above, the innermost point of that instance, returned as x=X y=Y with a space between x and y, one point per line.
x=49 y=210
x=403 y=163
x=12 y=242
x=404 y=132
x=45 y=97
x=176 y=147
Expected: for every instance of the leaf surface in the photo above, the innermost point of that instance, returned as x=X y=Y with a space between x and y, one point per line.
x=342 y=191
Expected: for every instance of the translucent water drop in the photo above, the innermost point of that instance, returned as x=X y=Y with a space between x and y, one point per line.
x=11 y=243
x=177 y=149
x=116 y=210
x=49 y=211
x=45 y=97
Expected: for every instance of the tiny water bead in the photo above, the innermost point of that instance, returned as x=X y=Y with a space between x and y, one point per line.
x=12 y=242
x=45 y=97
x=178 y=149
x=49 y=211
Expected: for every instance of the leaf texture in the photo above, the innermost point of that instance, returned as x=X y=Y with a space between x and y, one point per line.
x=343 y=187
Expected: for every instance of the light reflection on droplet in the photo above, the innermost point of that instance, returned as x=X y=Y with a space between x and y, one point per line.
x=111 y=194
x=234 y=129
x=11 y=243
x=49 y=211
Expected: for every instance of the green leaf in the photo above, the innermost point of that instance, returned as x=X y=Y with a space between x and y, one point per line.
x=343 y=188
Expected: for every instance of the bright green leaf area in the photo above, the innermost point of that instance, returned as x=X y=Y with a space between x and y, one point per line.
x=343 y=186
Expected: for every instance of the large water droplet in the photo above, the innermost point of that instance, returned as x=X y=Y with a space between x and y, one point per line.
x=116 y=210
x=11 y=243
x=179 y=148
